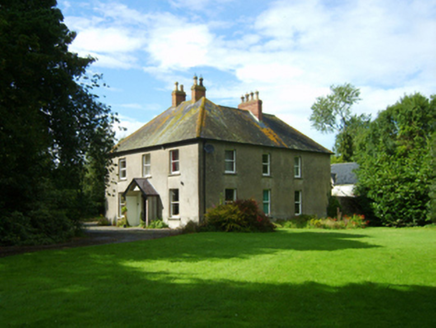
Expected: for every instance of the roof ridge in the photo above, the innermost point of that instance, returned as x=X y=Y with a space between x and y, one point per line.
x=200 y=120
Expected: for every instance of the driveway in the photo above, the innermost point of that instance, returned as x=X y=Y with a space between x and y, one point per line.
x=96 y=235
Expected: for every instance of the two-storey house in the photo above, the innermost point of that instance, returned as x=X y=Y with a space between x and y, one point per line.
x=197 y=154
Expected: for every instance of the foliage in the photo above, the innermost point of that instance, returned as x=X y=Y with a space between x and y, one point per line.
x=238 y=216
x=53 y=128
x=395 y=162
x=432 y=203
x=312 y=221
x=157 y=224
x=332 y=113
x=333 y=205
x=191 y=227
x=123 y=222
x=103 y=221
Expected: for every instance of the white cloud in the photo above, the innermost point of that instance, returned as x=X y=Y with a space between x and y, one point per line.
x=292 y=52
x=179 y=45
x=128 y=125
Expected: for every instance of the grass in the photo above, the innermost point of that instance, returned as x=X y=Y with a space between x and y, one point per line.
x=376 y=277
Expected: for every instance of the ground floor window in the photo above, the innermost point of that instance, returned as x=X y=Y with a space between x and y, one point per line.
x=174 y=203
x=121 y=204
x=266 y=202
x=229 y=195
x=297 y=202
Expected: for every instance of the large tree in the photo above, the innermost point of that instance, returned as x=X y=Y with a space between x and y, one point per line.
x=332 y=114
x=50 y=122
x=395 y=161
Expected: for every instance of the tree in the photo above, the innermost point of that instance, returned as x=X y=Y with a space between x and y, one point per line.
x=395 y=161
x=332 y=113
x=50 y=122
x=432 y=203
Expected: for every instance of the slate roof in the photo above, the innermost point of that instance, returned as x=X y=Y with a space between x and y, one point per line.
x=343 y=173
x=144 y=185
x=206 y=120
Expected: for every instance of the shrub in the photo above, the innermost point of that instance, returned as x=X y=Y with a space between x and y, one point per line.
x=191 y=227
x=123 y=222
x=157 y=224
x=312 y=221
x=332 y=208
x=102 y=221
x=238 y=216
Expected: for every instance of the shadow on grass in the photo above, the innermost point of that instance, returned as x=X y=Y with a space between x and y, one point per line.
x=206 y=246
x=118 y=296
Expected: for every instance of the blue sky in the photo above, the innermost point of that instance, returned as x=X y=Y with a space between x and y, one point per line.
x=291 y=51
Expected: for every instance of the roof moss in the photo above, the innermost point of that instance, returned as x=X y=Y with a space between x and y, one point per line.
x=206 y=120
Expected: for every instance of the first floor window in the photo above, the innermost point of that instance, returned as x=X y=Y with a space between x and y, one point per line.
x=122 y=167
x=174 y=161
x=229 y=195
x=230 y=161
x=146 y=165
x=121 y=204
x=297 y=167
x=266 y=164
x=297 y=202
x=266 y=202
x=174 y=202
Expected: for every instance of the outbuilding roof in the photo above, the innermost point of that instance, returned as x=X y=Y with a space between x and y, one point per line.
x=344 y=173
x=205 y=120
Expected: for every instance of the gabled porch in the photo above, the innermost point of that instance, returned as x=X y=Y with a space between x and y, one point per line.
x=142 y=202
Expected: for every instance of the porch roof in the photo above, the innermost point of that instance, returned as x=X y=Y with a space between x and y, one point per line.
x=144 y=185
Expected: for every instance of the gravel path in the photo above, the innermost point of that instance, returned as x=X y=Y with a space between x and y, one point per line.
x=96 y=235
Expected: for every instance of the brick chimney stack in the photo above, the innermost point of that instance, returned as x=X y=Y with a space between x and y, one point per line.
x=198 y=91
x=178 y=96
x=253 y=104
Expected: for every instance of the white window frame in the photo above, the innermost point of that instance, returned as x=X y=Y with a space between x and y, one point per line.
x=121 y=204
x=174 y=161
x=298 y=202
x=297 y=166
x=266 y=202
x=266 y=164
x=232 y=161
x=146 y=166
x=122 y=170
x=226 y=201
x=174 y=202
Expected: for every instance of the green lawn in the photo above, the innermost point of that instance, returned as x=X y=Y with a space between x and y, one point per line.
x=376 y=277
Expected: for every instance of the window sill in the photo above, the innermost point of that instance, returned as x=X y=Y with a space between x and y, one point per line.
x=174 y=174
x=231 y=173
x=175 y=218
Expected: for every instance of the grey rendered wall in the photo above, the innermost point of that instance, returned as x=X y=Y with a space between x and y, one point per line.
x=161 y=179
x=249 y=182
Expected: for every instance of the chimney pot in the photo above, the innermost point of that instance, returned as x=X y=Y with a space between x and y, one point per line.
x=178 y=96
x=198 y=91
x=253 y=105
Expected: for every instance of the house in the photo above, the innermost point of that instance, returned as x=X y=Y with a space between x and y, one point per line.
x=343 y=181
x=197 y=154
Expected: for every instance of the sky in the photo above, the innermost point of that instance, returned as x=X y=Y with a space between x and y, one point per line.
x=291 y=51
